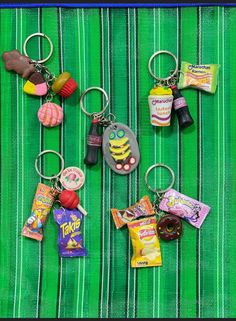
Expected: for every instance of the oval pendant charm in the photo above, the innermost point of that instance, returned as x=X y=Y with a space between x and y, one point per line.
x=120 y=148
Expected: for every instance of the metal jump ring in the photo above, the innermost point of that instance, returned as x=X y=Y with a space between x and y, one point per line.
x=40 y=35
x=45 y=152
x=155 y=55
x=94 y=113
x=159 y=191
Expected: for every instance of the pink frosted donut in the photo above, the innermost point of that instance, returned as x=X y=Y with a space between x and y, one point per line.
x=50 y=114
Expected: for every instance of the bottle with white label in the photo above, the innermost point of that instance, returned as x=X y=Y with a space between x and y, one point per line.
x=181 y=108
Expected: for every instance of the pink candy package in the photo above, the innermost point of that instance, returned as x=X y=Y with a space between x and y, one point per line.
x=191 y=210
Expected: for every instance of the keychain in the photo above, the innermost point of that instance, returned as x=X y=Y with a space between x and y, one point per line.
x=170 y=201
x=164 y=95
x=40 y=81
x=45 y=197
x=119 y=144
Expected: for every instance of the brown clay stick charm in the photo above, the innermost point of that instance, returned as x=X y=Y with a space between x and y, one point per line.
x=14 y=60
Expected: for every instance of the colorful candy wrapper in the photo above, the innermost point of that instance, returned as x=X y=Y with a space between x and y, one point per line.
x=191 y=210
x=203 y=77
x=70 y=241
x=142 y=208
x=43 y=201
x=146 y=246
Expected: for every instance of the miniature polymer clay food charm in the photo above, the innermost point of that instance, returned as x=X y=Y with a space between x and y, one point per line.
x=202 y=77
x=70 y=241
x=169 y=227
x=119 y=144
x=146 y=245
x=40 y=81
x=164 y=95
x=43 y=202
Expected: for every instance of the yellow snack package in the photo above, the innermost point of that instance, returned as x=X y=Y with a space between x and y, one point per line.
x=203 y=77
x=146 y=246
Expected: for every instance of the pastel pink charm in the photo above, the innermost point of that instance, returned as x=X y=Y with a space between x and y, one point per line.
x=50 y=114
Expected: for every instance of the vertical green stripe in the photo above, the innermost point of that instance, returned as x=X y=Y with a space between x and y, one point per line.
x=146 y=142
x=209 y=167
x=189 y=168
x=8 y=223
x=119 y=107
x=49 y=287
x=228 y=68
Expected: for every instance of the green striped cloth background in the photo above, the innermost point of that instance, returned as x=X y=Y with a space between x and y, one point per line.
x=110 y=48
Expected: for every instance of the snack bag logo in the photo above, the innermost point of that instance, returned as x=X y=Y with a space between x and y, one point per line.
x=71 y=227
x=43 y=199
x=146 y=233
x=173 y=201
x=161 y=101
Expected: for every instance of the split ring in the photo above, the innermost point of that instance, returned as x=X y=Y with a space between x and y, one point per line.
x=159 y=191
x=45 y=152
x=154 y=56
x=39 y=34
x=94 y=113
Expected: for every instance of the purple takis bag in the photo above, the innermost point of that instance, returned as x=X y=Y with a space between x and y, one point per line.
x=70 y=241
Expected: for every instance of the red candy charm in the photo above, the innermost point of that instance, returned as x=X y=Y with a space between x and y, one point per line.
x=69 y=199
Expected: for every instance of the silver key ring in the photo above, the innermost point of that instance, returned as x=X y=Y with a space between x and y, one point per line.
x=159 y=191
x=45 y=152
x=94 y=113
x=155 y=55
x=39 y=34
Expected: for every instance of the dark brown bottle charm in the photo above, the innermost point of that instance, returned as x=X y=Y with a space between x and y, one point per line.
x=94 y=143
x=181 y=108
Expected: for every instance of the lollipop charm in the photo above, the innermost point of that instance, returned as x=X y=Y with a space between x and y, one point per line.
x=72 y=178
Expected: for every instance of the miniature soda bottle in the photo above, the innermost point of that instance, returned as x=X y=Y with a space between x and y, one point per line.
x=181 y=108
x=94 y=143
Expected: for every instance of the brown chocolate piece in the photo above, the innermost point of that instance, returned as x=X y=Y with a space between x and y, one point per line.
x=169 y=227
x=37 y=78
x=14 y=60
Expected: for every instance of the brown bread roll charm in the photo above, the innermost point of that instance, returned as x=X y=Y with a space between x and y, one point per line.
x=19 y=63
x=169 y=227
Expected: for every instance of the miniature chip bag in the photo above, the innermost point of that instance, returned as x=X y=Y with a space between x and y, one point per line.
x=203 y=77
x=146 y=246
x=43 y=201
x=191 y=210
x=70 y=241
x=142 y=208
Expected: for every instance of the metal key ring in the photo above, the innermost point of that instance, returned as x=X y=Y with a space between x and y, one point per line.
x=155 y=55
x=40 y=35
x=159 y=191
x=45 y=152
x=94 y=113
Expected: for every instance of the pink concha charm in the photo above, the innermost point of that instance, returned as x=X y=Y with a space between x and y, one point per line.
x=50 y=114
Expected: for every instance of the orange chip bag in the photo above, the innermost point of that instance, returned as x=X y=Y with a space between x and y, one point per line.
x=142 y=208
x=146 y=246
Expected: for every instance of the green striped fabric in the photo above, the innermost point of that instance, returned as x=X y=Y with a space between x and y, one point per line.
x=110 y=48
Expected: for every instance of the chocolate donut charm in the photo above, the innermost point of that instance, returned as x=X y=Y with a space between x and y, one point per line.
x=169 y=227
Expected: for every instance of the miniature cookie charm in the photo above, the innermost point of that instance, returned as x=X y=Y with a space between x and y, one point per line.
x=36 y=85
x=50 y=114
x=19 y=63
x=64 y=85
x=169 y=227
x=120 y=148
